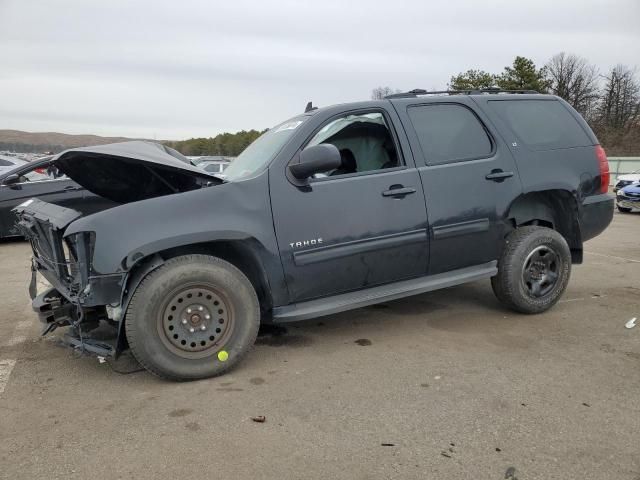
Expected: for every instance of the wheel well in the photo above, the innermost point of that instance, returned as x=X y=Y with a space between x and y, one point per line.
x=555 y=209
x=240 y=253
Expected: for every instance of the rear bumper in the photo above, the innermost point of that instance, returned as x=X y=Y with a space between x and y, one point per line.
x=597 y=213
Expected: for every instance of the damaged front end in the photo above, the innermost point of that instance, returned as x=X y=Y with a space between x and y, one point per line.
x=76 y=297
x=66 y=250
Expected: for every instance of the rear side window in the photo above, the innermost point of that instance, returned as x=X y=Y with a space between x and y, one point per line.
x=541 y=124
x=449 y=133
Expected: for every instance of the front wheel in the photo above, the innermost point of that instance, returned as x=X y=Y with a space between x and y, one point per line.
x=194 y=317
x=534 y=269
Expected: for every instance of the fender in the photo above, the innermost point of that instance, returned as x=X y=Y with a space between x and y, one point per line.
x=234 y=211
x=131 y=283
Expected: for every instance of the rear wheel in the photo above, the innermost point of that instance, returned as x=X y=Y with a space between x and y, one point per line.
x=534 y=269
x=194 y=317
x=623 y=209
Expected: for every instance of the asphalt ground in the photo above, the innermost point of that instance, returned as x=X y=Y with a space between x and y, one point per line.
x=445 y=385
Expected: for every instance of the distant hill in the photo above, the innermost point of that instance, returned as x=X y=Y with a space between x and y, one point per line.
x=40 y=142
x=226 y=144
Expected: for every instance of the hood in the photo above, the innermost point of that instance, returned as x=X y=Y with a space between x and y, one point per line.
x=132 y=171
x=633 y=188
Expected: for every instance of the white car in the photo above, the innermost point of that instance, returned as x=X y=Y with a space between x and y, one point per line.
x=214 y=166
x=9 y=163
x=626 y=179
x=628 y=198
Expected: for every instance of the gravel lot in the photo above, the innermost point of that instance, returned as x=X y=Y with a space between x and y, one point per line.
x=444 y=385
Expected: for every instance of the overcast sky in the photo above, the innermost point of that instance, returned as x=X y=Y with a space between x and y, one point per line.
x=178 y=69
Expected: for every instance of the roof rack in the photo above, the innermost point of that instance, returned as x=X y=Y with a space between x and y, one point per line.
x=479 y=91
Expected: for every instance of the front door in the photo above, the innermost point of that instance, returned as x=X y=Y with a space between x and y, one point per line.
x=361 y=225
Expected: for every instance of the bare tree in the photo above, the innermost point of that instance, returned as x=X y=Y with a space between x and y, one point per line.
x=379 y=93
x=619 y=106
x=575 y=80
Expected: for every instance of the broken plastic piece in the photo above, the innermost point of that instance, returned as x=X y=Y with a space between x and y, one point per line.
x=631 y=323
x=101 y=359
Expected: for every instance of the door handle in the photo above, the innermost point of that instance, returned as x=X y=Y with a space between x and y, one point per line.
x=71 y=187
x=498 y=175
x=398 y=191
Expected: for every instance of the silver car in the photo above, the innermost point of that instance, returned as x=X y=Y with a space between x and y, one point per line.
x=9 y=163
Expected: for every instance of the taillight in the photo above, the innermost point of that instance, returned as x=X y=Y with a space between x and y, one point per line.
x=39 y=170
x=603 y=164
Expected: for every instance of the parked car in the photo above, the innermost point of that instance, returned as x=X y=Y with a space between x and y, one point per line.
x=42 y=180
x=628 y=198
x=9 y=163
x=210 y=158
x=214 y=166
x=627 y=179
x=334 y=209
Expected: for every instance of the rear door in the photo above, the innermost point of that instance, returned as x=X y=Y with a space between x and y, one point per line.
x=468 y=175
x=361 y=225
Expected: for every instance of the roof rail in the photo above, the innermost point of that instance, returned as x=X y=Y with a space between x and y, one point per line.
x=479 y=91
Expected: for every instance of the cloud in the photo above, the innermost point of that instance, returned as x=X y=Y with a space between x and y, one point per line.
x=195 y=68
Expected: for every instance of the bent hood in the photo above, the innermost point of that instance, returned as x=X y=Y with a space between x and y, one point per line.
x=132 y=171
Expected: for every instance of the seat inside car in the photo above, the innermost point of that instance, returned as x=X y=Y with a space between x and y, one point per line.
x=349 y=164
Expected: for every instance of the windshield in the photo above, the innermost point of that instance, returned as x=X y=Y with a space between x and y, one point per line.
x=257 y=155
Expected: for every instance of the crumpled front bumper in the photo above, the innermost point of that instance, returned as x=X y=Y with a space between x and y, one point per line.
x=77 y=296
x=628 y=202
x=54 y=310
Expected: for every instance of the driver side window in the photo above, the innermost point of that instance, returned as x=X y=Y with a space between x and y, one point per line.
x=364 y=141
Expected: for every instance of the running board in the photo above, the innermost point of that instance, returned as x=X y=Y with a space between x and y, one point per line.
x=382 y=293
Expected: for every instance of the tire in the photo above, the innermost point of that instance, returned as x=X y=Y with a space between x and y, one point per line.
x=523 y=282
x=194 y=317
x=623 y=209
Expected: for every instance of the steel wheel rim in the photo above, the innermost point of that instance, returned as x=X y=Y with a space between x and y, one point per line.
x=195 y=320
x=541 y=271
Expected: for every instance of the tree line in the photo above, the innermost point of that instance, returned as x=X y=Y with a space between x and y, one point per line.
x=31 y=147
x=609 y=101
x=226 y=144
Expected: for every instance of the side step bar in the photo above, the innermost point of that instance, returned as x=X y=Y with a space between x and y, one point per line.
x=382 y=293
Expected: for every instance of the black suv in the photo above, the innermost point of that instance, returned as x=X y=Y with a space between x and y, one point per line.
x=334 y=209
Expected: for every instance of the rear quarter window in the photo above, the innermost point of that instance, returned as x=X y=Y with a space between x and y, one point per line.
x=541 y=124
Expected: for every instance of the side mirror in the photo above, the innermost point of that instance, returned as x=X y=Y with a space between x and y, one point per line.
x=11 y=179
x=316 y=159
